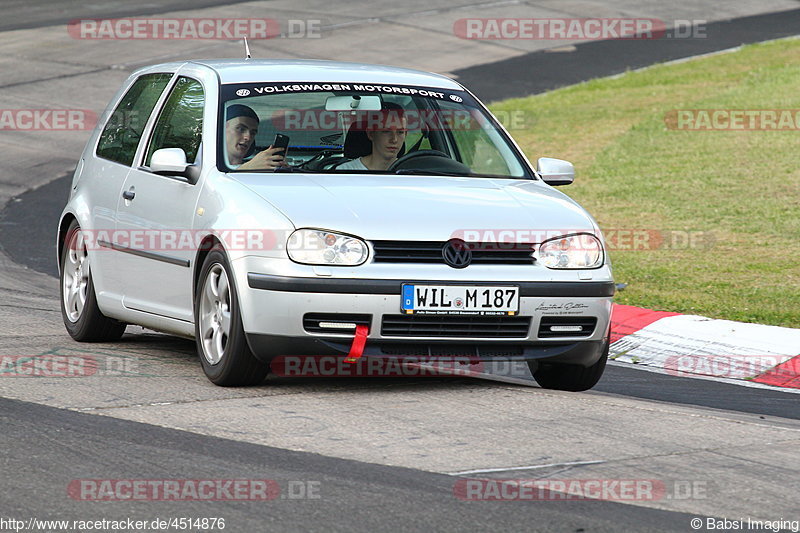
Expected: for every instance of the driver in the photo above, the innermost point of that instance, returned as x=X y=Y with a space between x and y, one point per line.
x=241 y=126
x=387 y=135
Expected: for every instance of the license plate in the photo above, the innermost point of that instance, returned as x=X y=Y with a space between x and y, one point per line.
x=460 y=299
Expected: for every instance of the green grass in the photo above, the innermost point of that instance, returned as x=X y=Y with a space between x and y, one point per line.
x=741 y=188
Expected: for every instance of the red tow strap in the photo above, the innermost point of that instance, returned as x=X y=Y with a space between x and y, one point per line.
x=359 y=341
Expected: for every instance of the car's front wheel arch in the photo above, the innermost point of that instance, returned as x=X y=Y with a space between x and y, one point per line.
x=63 y=229
x=208 y=243
x=82 y=317
x=217 y=314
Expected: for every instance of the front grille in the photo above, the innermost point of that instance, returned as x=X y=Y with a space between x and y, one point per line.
x=586 y=323
x=311 y=321
x=455 y=326
x=450 y=350
x=431 y=252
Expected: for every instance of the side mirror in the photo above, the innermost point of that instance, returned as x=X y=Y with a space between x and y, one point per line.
x=555 y=171
x=172 y=162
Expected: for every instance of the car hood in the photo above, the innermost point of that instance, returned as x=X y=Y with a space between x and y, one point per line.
x=387 y=207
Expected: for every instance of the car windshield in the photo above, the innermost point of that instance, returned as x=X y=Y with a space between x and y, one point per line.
x=362 y=128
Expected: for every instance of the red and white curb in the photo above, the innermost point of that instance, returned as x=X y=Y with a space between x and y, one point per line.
x=706 y=348
x=690 y=346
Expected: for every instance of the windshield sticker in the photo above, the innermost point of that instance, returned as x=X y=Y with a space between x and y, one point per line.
x=327 y=87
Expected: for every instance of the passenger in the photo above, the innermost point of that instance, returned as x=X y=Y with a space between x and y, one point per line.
x=385 y=138
x=241 y=126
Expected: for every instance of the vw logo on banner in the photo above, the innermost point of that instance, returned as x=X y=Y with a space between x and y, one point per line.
x=456 y=253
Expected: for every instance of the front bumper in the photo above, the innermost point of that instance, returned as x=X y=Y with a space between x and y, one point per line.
x=583 y=353
x=273 y=305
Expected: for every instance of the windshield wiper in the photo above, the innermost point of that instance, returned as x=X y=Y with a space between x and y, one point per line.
x=294 y=169
x=420 y=172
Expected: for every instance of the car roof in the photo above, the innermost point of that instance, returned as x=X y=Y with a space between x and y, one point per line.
x=291 y=70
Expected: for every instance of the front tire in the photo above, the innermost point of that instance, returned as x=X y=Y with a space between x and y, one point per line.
x=566 y=377
x=221 y=344
x=82 y=316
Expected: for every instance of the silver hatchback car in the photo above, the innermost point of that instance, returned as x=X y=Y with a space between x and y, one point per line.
x=283 y=208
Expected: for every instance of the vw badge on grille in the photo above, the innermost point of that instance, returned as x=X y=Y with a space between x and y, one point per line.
x=456 y=253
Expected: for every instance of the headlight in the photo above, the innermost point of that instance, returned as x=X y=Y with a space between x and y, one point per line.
x=572 y=251
x=319 y=247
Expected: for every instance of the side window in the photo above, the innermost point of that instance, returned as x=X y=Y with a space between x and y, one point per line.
x=180 y=124
x=475 y=146
x=124 y=128
x=478 y=151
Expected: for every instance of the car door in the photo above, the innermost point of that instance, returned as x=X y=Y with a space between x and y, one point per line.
x=107 y=170
x=155 y=212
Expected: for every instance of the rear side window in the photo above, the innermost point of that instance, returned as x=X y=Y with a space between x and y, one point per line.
x=180 y=124
x=124 y=128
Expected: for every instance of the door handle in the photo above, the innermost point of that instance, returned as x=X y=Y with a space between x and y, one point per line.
x=128 y=195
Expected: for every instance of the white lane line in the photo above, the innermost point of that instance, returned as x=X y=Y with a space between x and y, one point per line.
x=513 y=468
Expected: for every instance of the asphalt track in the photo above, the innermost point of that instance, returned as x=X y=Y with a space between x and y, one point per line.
x=45 y=448
x=545 y=70
x=353 y=496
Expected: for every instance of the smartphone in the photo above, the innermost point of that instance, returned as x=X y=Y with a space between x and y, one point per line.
x=281 y=141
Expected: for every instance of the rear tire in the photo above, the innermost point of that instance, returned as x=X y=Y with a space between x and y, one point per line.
x=566 y=377
x=82 y=316
x=221 y=344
